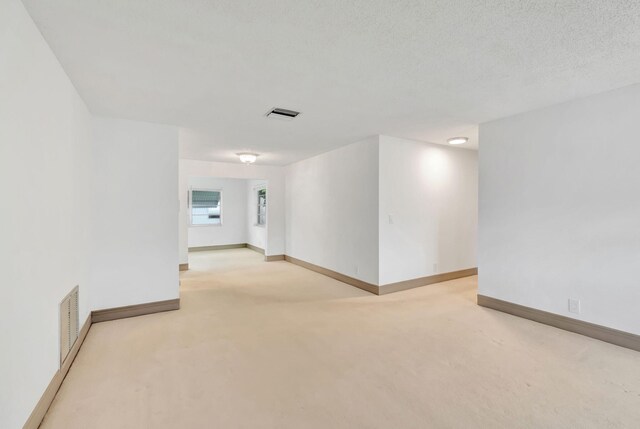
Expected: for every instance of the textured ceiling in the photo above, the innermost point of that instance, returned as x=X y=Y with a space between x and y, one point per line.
x=425 y=70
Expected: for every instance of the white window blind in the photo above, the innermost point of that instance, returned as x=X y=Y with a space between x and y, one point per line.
x=206 y=207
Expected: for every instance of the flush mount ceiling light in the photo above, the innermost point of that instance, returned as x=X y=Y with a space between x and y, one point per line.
x=247 y=158
x=458 y=140
x=282 y=114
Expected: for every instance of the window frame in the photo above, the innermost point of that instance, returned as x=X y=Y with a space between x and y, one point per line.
x=190 y=207
x=266 y=202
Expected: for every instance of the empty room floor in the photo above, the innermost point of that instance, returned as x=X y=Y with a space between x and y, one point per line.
x=272 y=345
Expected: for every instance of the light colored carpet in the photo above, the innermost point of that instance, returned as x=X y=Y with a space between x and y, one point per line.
x=272 y=345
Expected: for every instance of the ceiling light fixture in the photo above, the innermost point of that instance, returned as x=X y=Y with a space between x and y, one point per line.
x=458 y=140
x=247 y=158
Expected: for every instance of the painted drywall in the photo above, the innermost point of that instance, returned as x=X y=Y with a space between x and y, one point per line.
x=428 y=209
x=45 y=135
x=233 y=229
x=275 y=241
x=256 y=234
x=134 y=213
x=332 y=210
x=559 y=209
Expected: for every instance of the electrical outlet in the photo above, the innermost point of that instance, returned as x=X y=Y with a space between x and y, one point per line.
x=574 y=306
x=390 y=219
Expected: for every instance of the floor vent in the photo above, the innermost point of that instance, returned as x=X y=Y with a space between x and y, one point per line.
x=68 y=323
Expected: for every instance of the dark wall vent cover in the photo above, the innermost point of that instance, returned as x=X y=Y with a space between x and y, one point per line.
x=285 y=114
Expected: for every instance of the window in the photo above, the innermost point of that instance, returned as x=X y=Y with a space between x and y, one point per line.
x=206 y=207
x=262 y=207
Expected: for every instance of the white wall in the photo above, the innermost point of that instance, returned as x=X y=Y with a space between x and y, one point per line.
x=431 y=193
x=559 y=208
x=233 y=229
x=45 y=134
x=275 y=207
x=256 y=235
x=135 y=212
x=332 y=210
x=339 y=203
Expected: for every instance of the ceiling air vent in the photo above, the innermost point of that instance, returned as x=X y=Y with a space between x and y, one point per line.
x=284 y=114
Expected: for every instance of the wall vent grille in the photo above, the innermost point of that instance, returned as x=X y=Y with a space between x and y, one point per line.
x=68 y=323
